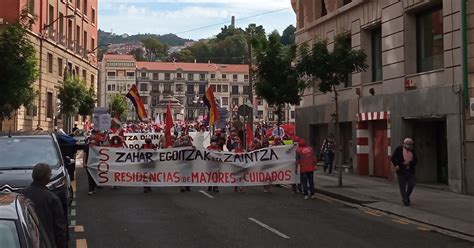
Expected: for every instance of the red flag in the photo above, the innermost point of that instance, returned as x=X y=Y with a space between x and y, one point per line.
x=168 y=126
x=249 y=134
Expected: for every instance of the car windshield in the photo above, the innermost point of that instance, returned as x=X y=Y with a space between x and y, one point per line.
x=8 y=236
x=25 y=152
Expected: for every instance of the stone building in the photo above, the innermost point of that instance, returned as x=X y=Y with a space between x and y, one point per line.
x=412 y=88
x=65 y=37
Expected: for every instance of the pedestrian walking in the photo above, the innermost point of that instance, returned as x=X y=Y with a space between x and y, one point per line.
x=215 y=146
x=305 y=160
x=148 y=145
x=47 y=206
x=185 y=141
x=327 y=150
x=296 y=188
x=404 y=159
x=91 y=142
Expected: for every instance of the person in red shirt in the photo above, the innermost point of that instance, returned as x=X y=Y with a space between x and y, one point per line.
x=238 y=149
x=305 y=160
x=215 y=146
x=148 y=145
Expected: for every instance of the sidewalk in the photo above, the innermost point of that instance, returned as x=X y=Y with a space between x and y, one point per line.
x=447 y=210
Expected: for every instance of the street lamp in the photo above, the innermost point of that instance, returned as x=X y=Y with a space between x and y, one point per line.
x=55 y=20
x=105 y=45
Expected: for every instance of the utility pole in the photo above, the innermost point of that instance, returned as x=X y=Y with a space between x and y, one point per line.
x=249 y=38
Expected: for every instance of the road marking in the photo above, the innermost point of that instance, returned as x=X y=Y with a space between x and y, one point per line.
x=73 y=185
x=78 y=228
x=423 y=229
x=373 y=213
x=400 y=222
x=286 y=186
x=81 y=243
x=324 y=199
x=73 y=203
x=269 y=228
x=206 y=194
x=73 y=222
x=73 y=212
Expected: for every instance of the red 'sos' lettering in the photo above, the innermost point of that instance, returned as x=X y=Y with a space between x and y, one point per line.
x=104 y=156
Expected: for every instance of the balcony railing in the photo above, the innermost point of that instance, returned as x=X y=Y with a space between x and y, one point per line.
x=62 y=39
x=51 y=33
x=70 y=45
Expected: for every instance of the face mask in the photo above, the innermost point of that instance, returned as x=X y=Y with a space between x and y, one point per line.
x=408 y=146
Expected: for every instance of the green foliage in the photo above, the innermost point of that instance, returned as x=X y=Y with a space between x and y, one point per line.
x=184 y=55
x=18 y=70
x=155 y=50
x=288 y=36
x=88 y=103
x=71 y=94
x=278 y=82
x=331 y=68
x=168 y=39
x=138 y=54
x=118 y=105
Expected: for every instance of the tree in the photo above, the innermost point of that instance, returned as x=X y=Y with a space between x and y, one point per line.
x=184 y=55
x=18 y=69
x=278 y=81
x=118 y=105
x=88 y=103
x=331 y=69
x=138 y=54
x=71 y=95
x=288 y=36
x=155 y=50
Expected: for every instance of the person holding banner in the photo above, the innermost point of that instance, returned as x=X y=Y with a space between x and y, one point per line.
x=185 y=141
x=91 y=142
x=214 y=147
x=238 y=149
x=305 y=160
x=148 y=145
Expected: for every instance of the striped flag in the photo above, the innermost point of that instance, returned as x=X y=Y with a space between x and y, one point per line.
x=211 y=104
x=136 y=100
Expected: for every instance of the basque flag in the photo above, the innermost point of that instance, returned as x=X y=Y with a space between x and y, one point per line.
x=137 y=102
x=211 y=104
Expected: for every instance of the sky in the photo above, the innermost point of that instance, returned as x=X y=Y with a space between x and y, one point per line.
x=177 y=16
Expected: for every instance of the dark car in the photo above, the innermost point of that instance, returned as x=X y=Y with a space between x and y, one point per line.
x=19 y=225
x=19 y=152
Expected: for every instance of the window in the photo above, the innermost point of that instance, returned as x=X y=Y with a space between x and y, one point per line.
x=78 y=36
x=78 y=4
x=344 y=2
x=234 y=77
x=346 y=43
x=246 y=90
x=31 y=7
x=155 y=88
x=225 y=101
x=155 y=76
x=213 y=87
x=190 y=89
x=235 y=101
x=61 y=24
x=167 y=76
x=246 y=77
x=69 y=31
x=113 y=87
x=154 y=100
x=219 y=88
x=377 y=55
x=224 y=76
x=202 y=89
x=60 y=67
x=260 y=114
x=179 y=75
x=93 y=16
x=92 y=81
x=111 y=74
x=84 y=8
x=51 y=19
x=167 y=88
x=179 y=88
x=429 y=37
x=202 y=77
x=130 y=74
x=225 y=88
x=271 y=116
x=143 y=87
x=323 y=8
x=50 y=63
x=85 y=41
x=84 y=74
x=235 y=90
x=109 y=87
x=292 y=114
x=213 y=76
x=190 y=77
x=49 y=106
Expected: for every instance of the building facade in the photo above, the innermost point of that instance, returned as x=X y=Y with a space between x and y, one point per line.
x=184 y=84
x=412 y=88
x=64 y=36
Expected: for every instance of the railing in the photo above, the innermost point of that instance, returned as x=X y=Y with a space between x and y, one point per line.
x=70 y=45
x=62 y=39
x=51 y=33
x=235 y=93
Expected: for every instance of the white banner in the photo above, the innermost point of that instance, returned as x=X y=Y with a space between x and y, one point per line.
x=191 y=167
x=201 y=139
x=136 y=140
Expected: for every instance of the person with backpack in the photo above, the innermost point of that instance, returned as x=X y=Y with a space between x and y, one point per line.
x=327 y=152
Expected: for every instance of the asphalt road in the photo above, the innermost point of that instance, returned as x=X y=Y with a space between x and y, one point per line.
x=126 y=217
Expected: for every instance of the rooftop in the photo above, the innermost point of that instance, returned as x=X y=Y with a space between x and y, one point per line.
x=193 y=67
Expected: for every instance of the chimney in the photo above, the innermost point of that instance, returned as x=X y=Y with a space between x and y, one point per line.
x=232 y=21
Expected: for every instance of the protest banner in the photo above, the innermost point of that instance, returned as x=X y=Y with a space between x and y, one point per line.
x=201 y=139
x=191 y=167
x=136 y=140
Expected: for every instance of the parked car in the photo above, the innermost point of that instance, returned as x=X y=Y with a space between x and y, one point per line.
x=19 y=152
x=19 y=224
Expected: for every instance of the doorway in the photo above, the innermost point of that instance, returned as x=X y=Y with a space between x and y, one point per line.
x=380 y=144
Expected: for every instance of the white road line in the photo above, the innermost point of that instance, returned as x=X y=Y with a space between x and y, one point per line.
x=269 y=228
x=286 y=186
x=206 y=194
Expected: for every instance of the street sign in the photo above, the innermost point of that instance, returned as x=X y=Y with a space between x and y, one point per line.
x=245 y=110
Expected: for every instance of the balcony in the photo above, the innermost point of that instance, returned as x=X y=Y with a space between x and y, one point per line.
x=235 y=93
x=70 y=45
x=51 y=34
x=168 y=92
x=62 y=39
